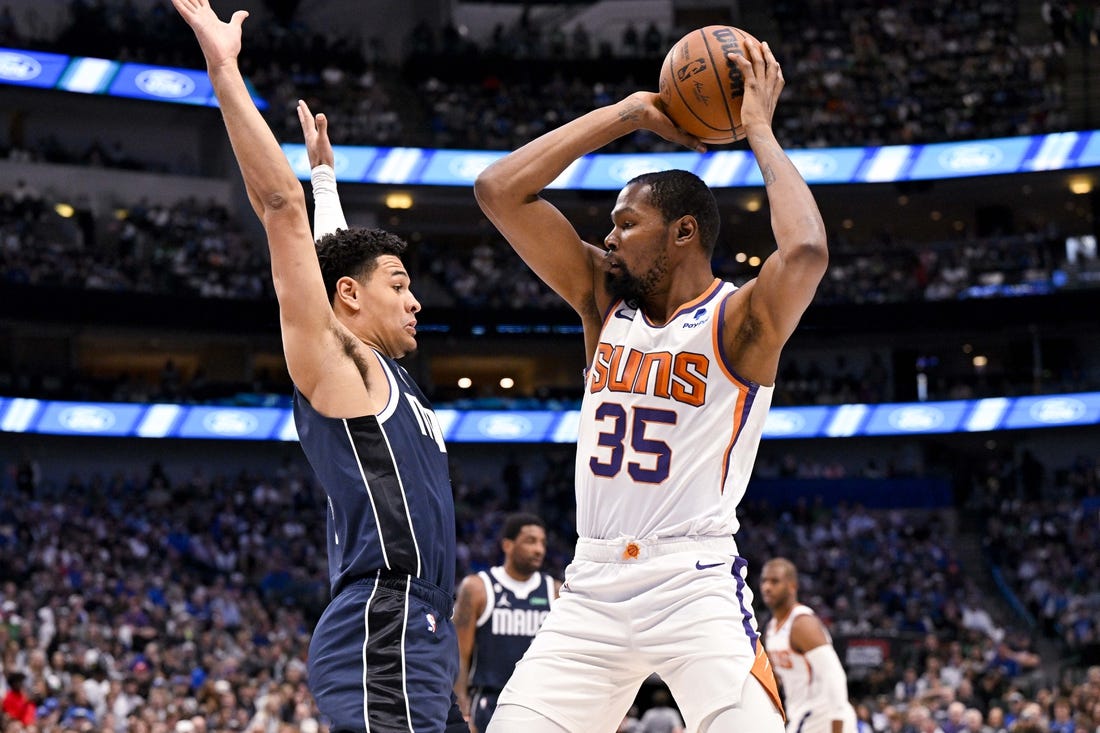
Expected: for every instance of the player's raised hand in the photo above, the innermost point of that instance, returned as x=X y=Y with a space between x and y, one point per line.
x=763 y=83
x=648 y=111
x=220 y=42
x=315 y=132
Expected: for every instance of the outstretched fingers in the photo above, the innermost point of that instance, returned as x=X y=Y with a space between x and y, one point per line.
x=305 y=118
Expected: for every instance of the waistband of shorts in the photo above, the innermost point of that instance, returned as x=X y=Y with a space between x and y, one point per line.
x=438 y=598
x=625 y=549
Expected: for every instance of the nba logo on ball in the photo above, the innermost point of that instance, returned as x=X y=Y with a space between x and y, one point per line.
x=164 y=83
x=17 y=67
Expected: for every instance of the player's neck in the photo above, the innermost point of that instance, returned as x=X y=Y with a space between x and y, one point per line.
x=782 y=613
x=686 y=287
x=515 y=574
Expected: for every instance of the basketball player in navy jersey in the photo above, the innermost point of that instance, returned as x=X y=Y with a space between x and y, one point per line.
x=497 y=614
x=383 y=656
x=680 y=377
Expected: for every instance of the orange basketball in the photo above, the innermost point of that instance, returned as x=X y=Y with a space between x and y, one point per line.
x=701 y=88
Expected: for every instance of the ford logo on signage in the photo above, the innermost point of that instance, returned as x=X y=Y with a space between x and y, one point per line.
x=468 y=167
x=1058 y=410
x=916 y=419
x=18 y=67
x=230 y=422
x=783 y=423
x=504 y=427
x=970 y=157
x=636 y=165
x=164 y=83
x=86 y=419
x=813 y=165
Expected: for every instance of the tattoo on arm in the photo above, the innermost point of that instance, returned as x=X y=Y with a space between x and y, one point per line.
x=769 y=175
x=631 y=113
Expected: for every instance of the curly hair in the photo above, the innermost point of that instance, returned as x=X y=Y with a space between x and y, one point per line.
x=677 y=193
x=354 y=253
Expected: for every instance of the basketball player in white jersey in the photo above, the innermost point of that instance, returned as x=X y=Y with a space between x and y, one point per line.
x=815 y=687
x=680 y=377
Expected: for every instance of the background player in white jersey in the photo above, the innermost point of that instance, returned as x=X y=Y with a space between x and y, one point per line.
x=815 y=687
x=497 y=614
x=681 y=367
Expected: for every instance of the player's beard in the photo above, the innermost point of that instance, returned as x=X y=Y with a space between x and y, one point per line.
x=634 y=289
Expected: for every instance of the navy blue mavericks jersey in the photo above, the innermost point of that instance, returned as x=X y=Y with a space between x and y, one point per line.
x=514 y=611
x=390 y=503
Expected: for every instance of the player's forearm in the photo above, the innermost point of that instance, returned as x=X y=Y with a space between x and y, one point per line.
x=796 y=220
x=328 y=214
x=267 y=174
x=526 y=171
x=830 y=680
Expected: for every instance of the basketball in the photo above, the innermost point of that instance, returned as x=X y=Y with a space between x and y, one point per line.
x=701 y=88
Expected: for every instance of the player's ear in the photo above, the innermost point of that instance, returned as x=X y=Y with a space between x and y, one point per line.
x=347 y=292
x=686 y=228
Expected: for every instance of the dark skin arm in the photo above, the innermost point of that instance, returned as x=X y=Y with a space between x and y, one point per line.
x=468 y=609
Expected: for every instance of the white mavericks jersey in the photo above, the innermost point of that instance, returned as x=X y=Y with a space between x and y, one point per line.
x=804 y=703
x=668 y=433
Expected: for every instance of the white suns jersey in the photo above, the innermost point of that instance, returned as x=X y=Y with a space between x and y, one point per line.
x=668 y=433
x=791 y=667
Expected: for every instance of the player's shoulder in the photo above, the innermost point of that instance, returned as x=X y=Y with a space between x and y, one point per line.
x=472 y=584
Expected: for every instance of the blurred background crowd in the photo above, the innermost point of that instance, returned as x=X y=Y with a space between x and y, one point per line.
x=178 y=595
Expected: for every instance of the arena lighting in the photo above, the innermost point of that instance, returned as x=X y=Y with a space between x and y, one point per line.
x=399 y=200
x=465 y=383
x=223 y=422
x=507 y=383
x=1080 y=185
x=64 y=210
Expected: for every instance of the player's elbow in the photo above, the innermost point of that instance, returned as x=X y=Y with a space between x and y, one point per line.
x=277 y=204
x=495 y=189
x=809 y=255
x=489 y=189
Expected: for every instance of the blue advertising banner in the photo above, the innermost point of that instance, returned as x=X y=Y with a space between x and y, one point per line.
x=23 y=415
x=31 y=68
x=113 y=78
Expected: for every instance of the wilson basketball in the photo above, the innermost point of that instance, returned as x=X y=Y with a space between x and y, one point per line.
x=701 y=88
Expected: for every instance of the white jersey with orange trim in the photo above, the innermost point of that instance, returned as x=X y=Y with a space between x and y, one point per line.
x=791 y=667
x=807 y=705
x=668 y=432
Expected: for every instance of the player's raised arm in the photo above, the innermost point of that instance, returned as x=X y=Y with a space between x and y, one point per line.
x=509 y=191
x=274 y=190
x=787 y=281
x=328 y=214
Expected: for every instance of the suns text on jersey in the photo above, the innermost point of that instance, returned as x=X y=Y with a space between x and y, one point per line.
x=681 y=376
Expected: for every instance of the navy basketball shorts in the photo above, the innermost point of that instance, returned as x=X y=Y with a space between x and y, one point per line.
x=384 y=658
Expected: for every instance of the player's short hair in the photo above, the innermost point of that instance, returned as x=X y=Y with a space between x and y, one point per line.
x=354 y=253
x=679 y=193
x=514 y=524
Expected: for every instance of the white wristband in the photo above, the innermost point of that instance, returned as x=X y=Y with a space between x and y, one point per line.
x=328 y=216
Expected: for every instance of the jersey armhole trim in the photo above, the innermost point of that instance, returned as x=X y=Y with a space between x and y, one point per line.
x=490 y=598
